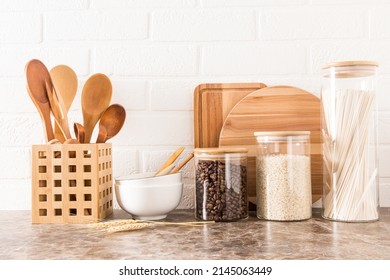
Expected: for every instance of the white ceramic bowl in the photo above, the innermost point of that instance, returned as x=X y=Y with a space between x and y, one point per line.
x=149 y=198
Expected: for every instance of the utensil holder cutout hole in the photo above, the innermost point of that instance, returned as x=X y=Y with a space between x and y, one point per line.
x=72 y=168
x=42 y=212
x=87 y=154
x=42 y=183
x=42 y=169
x=42 y=155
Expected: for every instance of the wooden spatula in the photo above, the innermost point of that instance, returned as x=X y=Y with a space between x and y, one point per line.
x=65 y=83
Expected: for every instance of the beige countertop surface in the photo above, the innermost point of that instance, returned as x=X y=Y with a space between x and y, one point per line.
x=248 y=239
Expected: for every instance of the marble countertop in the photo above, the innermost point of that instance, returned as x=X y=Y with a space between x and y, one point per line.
x=248 y=239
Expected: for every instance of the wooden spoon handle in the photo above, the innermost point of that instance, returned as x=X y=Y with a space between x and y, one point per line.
x=166 y=170
x=79 y=131
x=58 y=110
x=102 y=135
x=58 y=133
x=171 y=159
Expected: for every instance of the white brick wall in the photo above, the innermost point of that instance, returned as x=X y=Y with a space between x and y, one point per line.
x=156 y=52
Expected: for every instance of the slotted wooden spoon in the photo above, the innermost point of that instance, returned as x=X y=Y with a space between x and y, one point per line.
x=95 y=99
x=65 y=83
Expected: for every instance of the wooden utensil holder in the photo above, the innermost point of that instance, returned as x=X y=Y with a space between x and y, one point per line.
x=71 y=183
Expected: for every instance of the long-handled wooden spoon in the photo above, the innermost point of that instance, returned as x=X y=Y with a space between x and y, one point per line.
x=65 y=83
x=95 y=99
x=111 y=122
x=36 y=73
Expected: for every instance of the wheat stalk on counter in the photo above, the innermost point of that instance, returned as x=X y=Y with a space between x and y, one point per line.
x=130 y=225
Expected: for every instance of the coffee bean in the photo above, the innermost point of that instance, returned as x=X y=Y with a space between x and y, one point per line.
x=221 y=195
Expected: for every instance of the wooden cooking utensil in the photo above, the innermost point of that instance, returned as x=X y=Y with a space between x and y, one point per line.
x=65 y=83
x=278 y=108
x=177 y=169
x=71 y=141
x=57 y=108
x=171 y=159
x=166 y=170
x=212 y=103
x=36 y=74
x=79 y=132
x=111 y=122
x=95 y=99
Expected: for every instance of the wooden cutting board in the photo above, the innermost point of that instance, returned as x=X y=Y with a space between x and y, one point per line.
x=278 y=108
x=212 y=103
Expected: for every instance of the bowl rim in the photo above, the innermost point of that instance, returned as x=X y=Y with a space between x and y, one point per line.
x=150 y=186
x=143 y=176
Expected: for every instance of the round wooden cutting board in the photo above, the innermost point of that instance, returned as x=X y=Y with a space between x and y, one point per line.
x=277 y=108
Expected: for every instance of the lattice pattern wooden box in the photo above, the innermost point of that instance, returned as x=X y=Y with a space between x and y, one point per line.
x=71 y=183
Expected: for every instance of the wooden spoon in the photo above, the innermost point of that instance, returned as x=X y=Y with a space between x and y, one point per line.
x=111 y=122
x=95 y=98
x=79 y=132
x=36 y=74
x=65 y=83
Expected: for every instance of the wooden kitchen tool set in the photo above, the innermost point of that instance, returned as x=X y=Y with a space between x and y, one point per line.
x=71 y=177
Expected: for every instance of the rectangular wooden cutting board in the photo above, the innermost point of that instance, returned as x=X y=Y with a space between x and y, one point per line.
x=212 y=104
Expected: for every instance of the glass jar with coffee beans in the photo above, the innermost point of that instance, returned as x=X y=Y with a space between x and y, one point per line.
x=221 y=184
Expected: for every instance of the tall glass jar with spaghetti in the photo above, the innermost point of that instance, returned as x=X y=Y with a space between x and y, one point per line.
x=349 y=135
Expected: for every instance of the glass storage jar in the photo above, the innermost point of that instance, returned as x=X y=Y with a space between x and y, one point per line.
x=283 y=179
x=221 y=184
x=349 y=135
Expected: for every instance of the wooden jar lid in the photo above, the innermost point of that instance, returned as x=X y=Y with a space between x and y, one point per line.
x=219 y=151
x=351 y=63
